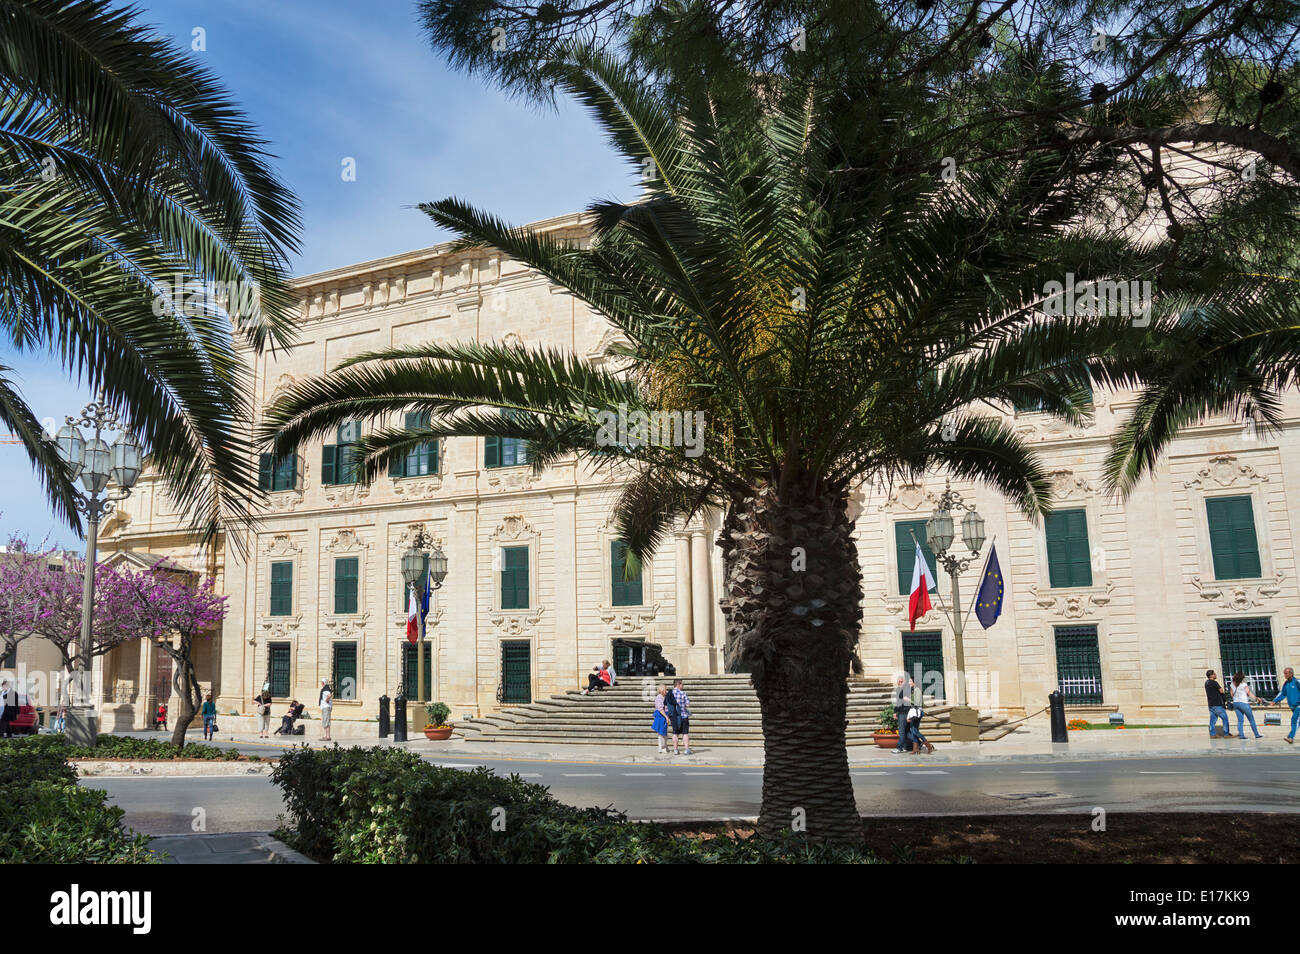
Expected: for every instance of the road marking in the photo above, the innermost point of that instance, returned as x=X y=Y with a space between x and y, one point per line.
x=1053 y=772
x=584 y=774
x=704 y=773
x=752 y=773
x=926 y=772
x=870 y=773
x=528 y=774
x=1168 y=773
x=457 y=764
x=643 y=774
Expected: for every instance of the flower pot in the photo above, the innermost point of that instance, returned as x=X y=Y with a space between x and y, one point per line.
x=886 y=740
x=437 y=733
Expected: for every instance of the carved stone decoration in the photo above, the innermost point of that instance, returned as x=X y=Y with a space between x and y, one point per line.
x=512 y=340
x=403 y=541
x=515 y=622
x=1225 y=470
x=514 y=527
x=1238 y=595
x=347 y=625
x=345 y=541
x=512 y=478
x=278 y=627
x=628 y=619
x=332 y=302
x=417 y=488
x=1073 y=604
x=1067 y=485
x=907 y=497
x=897 y=605
x=281 y=545
x=612 y=338
x=397 y=290
x=115 y=522
x=342 y=495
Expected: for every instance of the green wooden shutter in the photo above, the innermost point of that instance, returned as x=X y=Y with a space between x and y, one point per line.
x=282 y=588
x=345 y=585
x=625 y=590
x=514 y=578
x=278 y=669
x=491 y=452
x=1233 y=543
x=265 y=470
x=397 y=467
x=345 y=671
x=906 y=551
x=328 y=458
x=1069 y=558
x=410 y=685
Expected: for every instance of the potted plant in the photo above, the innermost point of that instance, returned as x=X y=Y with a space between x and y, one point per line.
x=437 y=726
x=887 y=735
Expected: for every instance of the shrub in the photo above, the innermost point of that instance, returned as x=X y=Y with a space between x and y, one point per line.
x=120 y=747
x=385 y=805
x=436 y=713
x=47 y=818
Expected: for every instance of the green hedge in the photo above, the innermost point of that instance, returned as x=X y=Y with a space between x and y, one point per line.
x=47 y=818
x=387 y=805
x=125 y=747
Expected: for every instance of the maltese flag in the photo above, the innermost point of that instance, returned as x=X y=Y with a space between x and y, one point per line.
x=413 y=617
x=922 y=583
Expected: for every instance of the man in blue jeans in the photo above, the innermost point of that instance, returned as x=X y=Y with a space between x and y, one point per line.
x=1214 y=696
x=1290 y=692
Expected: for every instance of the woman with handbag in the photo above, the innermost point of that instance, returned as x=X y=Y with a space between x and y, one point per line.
x=209 y=718
x=262 y=703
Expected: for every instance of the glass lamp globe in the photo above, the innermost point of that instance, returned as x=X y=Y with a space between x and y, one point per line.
x=72 y=448
x=94 y=477
x=126 y=461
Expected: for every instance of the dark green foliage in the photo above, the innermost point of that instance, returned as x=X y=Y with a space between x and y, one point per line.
x=110 y=747
x=389 y=806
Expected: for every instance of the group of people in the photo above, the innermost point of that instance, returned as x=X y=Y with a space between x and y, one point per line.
x=1242 y=697
x=672 y=712
x=908 y=712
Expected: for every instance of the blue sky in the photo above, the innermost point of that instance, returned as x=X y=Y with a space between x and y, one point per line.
x=329 y=79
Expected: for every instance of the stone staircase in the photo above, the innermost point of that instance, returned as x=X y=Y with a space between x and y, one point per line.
x=724 y=711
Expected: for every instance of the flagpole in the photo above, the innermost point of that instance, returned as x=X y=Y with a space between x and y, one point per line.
x=976 y=597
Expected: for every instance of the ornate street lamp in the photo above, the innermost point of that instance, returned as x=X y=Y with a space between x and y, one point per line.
x=413 y=564
x=939 y=532
x=96 y=464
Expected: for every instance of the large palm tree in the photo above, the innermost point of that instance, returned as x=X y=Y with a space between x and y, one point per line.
x=832 y=325
x=125 y=168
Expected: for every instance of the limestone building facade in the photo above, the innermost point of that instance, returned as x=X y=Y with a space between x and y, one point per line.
x=1124 y=603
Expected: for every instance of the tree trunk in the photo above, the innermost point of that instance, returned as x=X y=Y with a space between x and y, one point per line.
x=793 y=611
x=186 y=682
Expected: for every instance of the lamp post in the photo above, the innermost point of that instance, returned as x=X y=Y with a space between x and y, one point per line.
x=95 y=462
x=413 y=561
x=939 y=532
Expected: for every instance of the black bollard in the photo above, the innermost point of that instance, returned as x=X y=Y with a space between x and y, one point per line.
x=383 y=717
x=1057 y=703
x=399 y=718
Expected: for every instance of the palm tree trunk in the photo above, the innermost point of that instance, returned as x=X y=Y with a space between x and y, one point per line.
x=793 y=609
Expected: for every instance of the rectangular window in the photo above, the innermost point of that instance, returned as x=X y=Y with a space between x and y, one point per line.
x=410 y=684
x=514 y=577
x=625 y=587
x=344 y=683
x=420 y=461
x=923 y=661
x=10 y=658
x=278 y=662
x=904 y=530
x=1069 y=560
x=1232 y=538
x=277 y=472
x=1246 y=646
x=282 y=588
x=1078 y=665
x=340 y=462
x=504 y=451
x=345 y=585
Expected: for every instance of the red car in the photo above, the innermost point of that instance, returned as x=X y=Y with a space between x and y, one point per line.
x=26 y=722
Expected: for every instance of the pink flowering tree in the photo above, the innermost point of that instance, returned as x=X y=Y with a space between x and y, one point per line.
x=174 y=614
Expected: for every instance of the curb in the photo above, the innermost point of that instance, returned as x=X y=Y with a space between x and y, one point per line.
x=282 y=854
x=116 y=768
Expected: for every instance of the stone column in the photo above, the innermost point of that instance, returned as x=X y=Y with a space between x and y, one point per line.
x=701 y=603
x=682 y=591
x=145 y=701
x=566 y=649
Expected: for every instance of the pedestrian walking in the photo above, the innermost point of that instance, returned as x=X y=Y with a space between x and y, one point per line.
x=1217 y=703
x=1242 y=694
x=326 y=709
x=914 y=716
x=8 y=708
x=262 y=704
x=902 y=702
x=682 y=724
x=660 y=723
x=209 y=713
x=1290 y=691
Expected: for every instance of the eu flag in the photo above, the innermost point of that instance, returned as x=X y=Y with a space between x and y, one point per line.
x=988 y=601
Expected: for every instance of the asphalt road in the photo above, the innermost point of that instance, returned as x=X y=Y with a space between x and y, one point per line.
x=167 y=805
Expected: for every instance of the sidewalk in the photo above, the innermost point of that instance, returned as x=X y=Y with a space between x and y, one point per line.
x=1028 y=744
x=233 y=848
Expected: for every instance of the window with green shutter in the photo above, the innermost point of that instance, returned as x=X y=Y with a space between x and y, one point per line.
x=277 y=472
x=1232 y=538
x=410 y=678
x=420 y=461
x=905 y=546
x=282 y=588
x=504 y=451
x=345 y=585
x=340 y=462
x=345 y=671
x=625 y=587
x=278 y=668
x=1069 y=559
x=514 y=577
